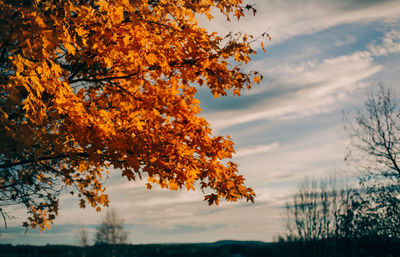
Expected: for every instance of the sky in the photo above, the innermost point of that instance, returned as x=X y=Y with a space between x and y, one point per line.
x=323 y=60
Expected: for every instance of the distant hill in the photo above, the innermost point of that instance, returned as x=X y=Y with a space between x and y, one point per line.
x=224 y=248
x=235 y=242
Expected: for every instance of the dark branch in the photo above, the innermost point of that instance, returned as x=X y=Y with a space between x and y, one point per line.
x=44 y=158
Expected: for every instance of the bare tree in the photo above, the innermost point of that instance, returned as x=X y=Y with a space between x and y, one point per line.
x=82 y=238
x=111 y=231
x=341 y=218
x=319 y=215
x=374 y=134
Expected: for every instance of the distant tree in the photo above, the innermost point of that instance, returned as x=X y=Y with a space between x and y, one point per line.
x=329 y=221
x=111 y=231
x=320 y=215
x=82 y=238
x=374 y=134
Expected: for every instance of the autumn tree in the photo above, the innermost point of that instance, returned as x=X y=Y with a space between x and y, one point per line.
x=94 y=86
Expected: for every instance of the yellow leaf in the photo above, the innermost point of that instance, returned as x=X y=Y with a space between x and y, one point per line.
x=71 y=49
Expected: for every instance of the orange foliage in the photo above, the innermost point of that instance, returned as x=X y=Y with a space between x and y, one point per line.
x=88 y=86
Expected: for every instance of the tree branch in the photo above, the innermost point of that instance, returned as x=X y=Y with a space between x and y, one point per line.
x=44 y=158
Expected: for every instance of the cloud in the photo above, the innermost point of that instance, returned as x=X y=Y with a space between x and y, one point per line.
x=165 y=199
x=284 y=20
x=347 y=41
x=173 y=230
x=241 y=152
x=308 y=89
x=390 y=44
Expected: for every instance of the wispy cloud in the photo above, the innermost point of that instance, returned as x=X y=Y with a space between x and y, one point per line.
x=348 y=40
x=284 y=20
x=310 y=89
x=165 y=200
x=241 y=152
x=390 y=44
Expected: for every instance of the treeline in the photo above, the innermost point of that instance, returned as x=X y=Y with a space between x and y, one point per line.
x=326 y=218
x=236 y=249
x=367 y=247
x=326 y=221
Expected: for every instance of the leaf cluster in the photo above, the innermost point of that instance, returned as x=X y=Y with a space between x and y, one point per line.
x=88 y=87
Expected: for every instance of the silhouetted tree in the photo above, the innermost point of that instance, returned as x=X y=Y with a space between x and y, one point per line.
x=319 y=216
x=329 y=221
x=111 y=231
x=375 y=135
x=375 y=148
x=82 y=238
